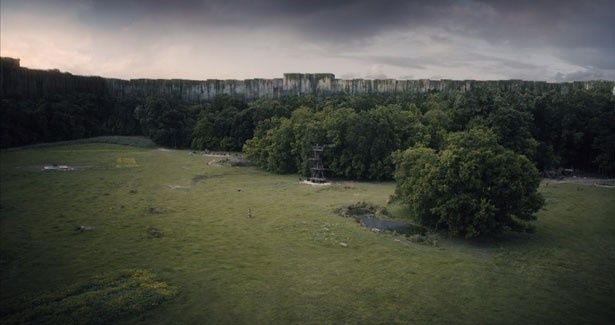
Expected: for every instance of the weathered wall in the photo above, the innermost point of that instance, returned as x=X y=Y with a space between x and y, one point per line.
x=17 y=81
x=27 y=83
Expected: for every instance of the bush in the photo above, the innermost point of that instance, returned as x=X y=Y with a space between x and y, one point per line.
x=100 y=300
x=473 y=187
x=362 y=208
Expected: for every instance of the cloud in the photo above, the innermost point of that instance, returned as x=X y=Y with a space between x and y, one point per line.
x=398 y=61
x=242 y=38
x=580 y=75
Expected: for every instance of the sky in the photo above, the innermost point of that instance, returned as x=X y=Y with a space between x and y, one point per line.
x=239 y=39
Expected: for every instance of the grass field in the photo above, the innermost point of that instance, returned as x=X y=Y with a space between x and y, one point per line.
x=186 y=222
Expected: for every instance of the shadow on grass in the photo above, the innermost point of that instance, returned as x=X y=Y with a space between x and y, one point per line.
x=507 y=239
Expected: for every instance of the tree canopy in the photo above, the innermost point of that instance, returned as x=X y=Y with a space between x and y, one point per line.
x=551 y=128
x=358 y=143
x=472 y=187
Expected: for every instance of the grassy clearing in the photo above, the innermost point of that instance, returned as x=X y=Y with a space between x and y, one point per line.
x=187 y=222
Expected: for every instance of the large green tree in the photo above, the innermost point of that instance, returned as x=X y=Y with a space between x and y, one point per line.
x=472 y=187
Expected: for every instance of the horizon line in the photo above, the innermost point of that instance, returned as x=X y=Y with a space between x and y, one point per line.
x=12 y=61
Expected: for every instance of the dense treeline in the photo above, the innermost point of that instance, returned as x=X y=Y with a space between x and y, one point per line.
x=63 y=118
x=576 y=129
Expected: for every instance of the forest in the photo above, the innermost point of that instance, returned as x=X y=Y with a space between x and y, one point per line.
x=571 y=130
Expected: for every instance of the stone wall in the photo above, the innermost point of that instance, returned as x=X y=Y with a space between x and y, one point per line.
x=20 y=82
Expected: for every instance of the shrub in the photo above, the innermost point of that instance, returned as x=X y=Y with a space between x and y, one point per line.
x=362 y=208
x=100 y=300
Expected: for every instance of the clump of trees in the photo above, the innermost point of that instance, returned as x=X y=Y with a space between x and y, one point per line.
x=165 y=121
x=226 y=122
x=472 y=187
x=359 y=143
x=551 y=129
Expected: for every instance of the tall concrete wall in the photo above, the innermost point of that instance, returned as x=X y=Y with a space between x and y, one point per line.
x=20 y=82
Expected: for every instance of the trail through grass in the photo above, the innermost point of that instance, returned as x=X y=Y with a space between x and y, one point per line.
x=186 y=221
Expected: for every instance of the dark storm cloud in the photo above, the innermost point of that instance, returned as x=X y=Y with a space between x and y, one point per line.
x=572 y=23
x=570 y=26
x=341 y=20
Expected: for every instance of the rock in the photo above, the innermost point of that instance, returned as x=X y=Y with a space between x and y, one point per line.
x=343 y=244
x=154 y=233
x=84 y=228
x=375 y=229
x=416 y=238
x=58 y=167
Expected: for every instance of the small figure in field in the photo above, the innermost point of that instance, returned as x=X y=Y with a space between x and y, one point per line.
x=250 y=214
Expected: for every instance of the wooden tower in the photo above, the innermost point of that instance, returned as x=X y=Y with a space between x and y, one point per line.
x=318 y=169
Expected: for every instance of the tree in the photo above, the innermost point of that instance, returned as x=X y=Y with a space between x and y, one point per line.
x=513 y=130
x=165 y=121
x=605 y=142
x=271 y=148
x=473 y=187
x=437 y=123
x=204 y=134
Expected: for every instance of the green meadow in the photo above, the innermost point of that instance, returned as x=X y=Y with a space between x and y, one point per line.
x=143 y=235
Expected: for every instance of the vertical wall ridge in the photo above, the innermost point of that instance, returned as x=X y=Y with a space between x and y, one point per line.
x=20 y=82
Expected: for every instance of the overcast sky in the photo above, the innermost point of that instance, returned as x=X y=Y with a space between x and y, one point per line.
x=201 y=39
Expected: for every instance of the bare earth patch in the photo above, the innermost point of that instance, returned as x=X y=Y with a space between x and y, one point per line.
x=126 y=162
x=316 y=184
x=178 y=187
x=229 y=160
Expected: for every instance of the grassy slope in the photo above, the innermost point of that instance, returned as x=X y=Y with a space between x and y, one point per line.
x=286 y=264
x=135 y=141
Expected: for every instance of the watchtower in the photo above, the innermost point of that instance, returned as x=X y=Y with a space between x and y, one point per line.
x=318 y=169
